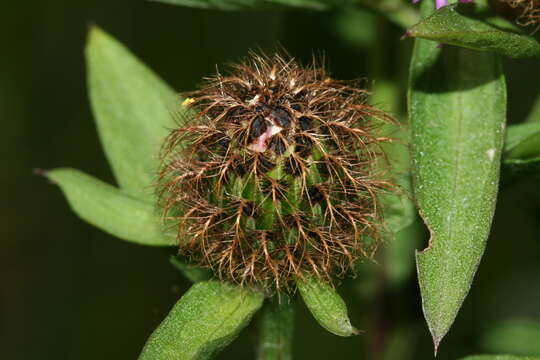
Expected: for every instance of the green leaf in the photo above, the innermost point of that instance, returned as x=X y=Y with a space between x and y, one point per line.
x=326 y=306
x=110 y=209
x=276 y=327
x=133 y=110
x=523 y=141
x=457 y=106
x=473 y=26
x=191 y=272
x=206 y=319
x=522 y=149
x=514 y=336
x=499 y=357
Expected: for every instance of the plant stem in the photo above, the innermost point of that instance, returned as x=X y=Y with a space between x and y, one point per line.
x=276 y=326
x=400 y=13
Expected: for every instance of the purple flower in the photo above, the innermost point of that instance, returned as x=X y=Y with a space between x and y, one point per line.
x=441 y=3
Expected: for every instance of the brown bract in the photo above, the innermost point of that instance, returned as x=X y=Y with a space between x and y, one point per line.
x=274 y=174
x=530 y=11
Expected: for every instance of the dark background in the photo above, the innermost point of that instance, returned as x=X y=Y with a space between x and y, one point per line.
x=70 y=291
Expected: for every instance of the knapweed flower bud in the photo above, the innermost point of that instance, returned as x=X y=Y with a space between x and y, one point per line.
x=274 y=174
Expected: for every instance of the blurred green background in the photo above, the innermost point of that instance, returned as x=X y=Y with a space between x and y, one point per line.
x=70 y=291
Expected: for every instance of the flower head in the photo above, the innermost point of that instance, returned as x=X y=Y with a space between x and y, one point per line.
x=274 y=174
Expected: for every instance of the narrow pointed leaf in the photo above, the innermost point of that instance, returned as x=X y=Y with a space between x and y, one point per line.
x=110 y=209
x=133 y=108
x=457 y=104
x=206 y=319
x=326 y=306
x=500 y=357
x=473 y=26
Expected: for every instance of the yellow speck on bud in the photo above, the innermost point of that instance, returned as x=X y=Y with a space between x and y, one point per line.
x=188 y=101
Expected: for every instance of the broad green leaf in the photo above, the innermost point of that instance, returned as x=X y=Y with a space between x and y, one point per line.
x=206 y=319
x=133 y=110
x=499 y=357
x=326 y=306
x=191 y=272
x=513 y=336
x=276 y=326
x=111 y=209
x=473 y=26
x=457 y=106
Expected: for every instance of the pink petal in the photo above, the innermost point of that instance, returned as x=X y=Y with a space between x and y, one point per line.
x=261 y=143
x=441 y=3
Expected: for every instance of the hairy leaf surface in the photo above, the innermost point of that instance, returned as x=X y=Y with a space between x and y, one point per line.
x=206 y=319
x=457 y=104
x=326 y=306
